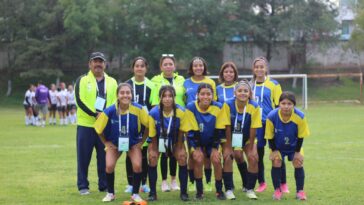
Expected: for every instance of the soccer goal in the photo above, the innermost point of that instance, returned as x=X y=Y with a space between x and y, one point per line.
x=283 y=76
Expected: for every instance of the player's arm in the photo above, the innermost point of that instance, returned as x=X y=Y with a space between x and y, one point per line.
x=79 y=101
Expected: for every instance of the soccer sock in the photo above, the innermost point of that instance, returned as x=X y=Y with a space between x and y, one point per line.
x=153 y=179
x=191 y=175
x=172 y=166
x=299 y=175
x=228 y=180
x=26 y=120
x=110 y=179
x=218 y=186
x=261 y=165
x=208 y=175
x=283 y=177
x=199 y=185
x=136 y=182
x=276 y=177
x=243 y=172
x=129 y=170
x=182 y=174
x=144 y=165
x=252 y=179
x=164 y=167
x=33 y=120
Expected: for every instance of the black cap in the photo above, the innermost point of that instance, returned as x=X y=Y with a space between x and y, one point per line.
x=95 y=55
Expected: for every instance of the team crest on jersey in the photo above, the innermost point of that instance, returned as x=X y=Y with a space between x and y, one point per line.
x=201 y=127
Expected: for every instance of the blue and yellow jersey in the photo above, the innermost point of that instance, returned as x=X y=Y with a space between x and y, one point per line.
x=180 y=123
x=191 y=87
x=225 y=93
x=206 y=123
x=177 y=83
x=108 y=123
x=252 y=116
x=271 y=92
x=138 y=94
x=285 y=134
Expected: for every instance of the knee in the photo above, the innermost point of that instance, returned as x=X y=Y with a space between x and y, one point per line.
x=277 y=163
x=297 y=164
x=110 y=169
x=181 y=157
x=253 y=160
x=137 y=167
x=216 y=162
x=153 y=158
x=198 y=160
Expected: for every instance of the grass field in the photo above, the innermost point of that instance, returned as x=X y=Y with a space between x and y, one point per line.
x=38 y=165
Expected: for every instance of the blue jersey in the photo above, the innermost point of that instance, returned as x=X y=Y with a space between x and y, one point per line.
x=180 y=123
x=285 y=134
x=191 y=87
x=267 y=95
x=205 y=123
x=252 y=116
x=108 y=123
x=225 y=93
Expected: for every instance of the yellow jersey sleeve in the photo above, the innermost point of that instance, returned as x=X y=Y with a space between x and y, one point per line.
x=221 y=118
x=303 y=130
x=152 y=129
x=191 y=120
x=213 y=85
x=256 y=118
x=144 y=117
x=184 y=125
x=269 y=130
x=101 y=123
x=277 y=94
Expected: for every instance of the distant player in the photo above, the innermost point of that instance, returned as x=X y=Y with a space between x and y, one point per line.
x=62 y=104
x=71 y=105
x=41 y=96
x=53 y=105
x=286 y=127
x=28 y=103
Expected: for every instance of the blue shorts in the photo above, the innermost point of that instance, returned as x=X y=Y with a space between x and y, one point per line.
x=260 y=136
x=289 y=155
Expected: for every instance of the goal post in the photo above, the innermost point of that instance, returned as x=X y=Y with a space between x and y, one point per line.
x=282 y=76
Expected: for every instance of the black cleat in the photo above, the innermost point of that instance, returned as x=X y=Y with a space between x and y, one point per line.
x=199 y=196
x=220 y=195
x=184 y=197
x=152 y=197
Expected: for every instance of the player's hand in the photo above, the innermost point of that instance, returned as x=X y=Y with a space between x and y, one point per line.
x=274 y=155
x=297 y=159
x=197 y=154
x=252 y=153
x=109 y=145
x=215 y=155
x=227 y=152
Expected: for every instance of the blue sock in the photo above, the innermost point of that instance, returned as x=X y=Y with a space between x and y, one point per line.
x=137 y=177
x=110 y=178
x=192 y=175
x=228 y=180
x=252 y=179
x=183 y=178
x=243 y=172
x=199 y=185
x=152 y=171
x=218 y=186
x=299 y=175
x=208 y=175
x=276 y=177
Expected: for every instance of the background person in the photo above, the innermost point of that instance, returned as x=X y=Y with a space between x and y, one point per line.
x=42 y=96
x=52 y=105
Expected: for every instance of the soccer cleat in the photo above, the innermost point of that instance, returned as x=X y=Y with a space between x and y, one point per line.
x=208 y=187
x=145 y=188
x=165 y=186
x=109 y=197
x=220 y=195
x=301 y=195
x=137 y=199
x=84 y=192
x=230 y=195
x=244 y=189
x=174 y=185
x=199 y=196
x=277 y=195
x=191 y=187
x=251 y=194
x=152 y=197
x=284 y=188
x=262 y=187
x=129 y=189
x=184 y=197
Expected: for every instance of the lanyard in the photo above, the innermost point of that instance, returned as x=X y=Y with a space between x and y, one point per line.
x=127 y=123
x=261 y=93
x=144 y=91
x=242 y=121
x=169 y=126
x=97 y=88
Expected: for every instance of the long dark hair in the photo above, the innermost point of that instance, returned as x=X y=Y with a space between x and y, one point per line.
x=190 y=69
x=162 y=91
x=204 y=85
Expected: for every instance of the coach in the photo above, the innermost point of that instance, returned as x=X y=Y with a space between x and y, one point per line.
x=94 y=92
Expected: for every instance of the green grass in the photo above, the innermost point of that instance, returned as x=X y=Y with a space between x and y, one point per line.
x=38 y=165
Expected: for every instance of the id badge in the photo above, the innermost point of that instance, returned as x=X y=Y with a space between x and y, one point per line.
x=162 y=145
x=237 y=139
x=100 y=103
x=123 y=145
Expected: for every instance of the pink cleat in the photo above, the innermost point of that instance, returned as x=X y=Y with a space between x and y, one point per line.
x=301 y=195
x=277 y=194
x=284 y=188
x=262 y=187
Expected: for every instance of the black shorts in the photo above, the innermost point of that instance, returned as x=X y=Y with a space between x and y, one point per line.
x=53 y=107
x=61 y=108
x=71 y=107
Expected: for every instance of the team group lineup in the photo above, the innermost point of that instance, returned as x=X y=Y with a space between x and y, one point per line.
x=190 y=122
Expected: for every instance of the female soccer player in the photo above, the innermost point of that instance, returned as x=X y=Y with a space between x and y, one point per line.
x=53 y=105
x=228 y=77
x=266 y=92
x=209 y=120
x=245 y=118
x=286 y=127
x=28 y=103
x=168 y=76
x=142 y=88
x=119 y=128
x=71 y=105
x=167 y=124
x=62 y=104
x=198 y=71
